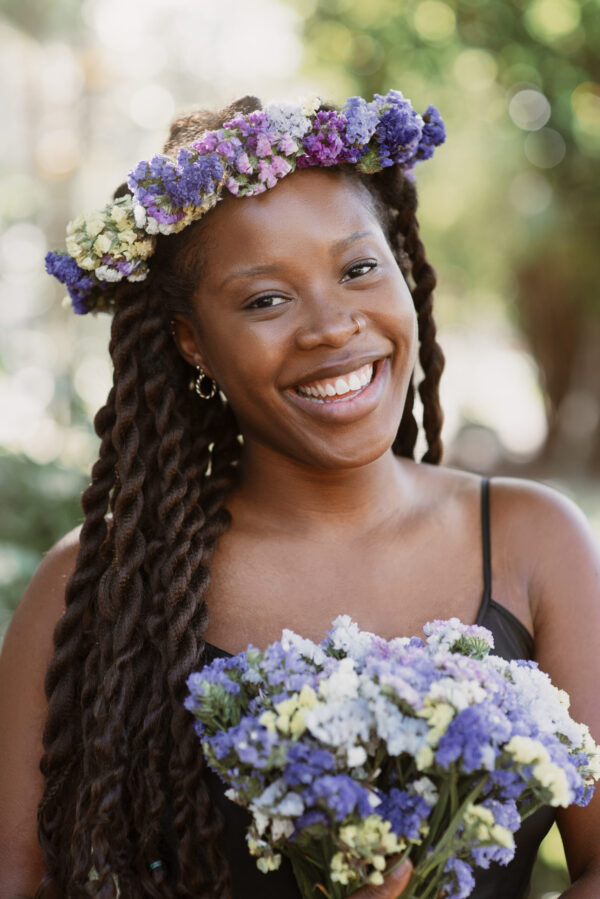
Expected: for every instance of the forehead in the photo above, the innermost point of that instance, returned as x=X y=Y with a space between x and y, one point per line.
x=311 y=207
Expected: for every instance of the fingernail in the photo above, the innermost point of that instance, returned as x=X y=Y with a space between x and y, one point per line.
x=401 y=870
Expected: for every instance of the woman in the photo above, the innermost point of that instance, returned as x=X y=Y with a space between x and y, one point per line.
x=295 y=498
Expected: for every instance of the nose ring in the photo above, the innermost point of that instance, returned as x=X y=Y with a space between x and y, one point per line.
x=358 y=323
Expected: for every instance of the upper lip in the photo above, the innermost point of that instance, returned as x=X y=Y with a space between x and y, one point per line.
x=338 y=367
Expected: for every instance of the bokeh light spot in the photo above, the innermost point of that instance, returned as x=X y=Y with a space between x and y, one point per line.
x=57 y=153
x=475 y=70
x=152 y=106
x=434 y=20
x=545 y=148
x=530 y=193
x=552 y=19
x=529 y=109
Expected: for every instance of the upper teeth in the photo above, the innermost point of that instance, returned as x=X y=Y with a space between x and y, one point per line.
x=354 y=380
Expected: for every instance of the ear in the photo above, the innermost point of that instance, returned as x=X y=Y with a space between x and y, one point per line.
x=188 y=340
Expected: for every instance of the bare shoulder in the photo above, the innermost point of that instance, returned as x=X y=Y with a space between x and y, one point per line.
x=26 y=654
x=44 y=599
x=548 y=531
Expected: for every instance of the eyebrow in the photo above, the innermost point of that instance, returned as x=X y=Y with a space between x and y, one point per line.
x=251 y=271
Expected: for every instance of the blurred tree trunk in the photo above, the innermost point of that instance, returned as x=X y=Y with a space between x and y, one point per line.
x=565 y=342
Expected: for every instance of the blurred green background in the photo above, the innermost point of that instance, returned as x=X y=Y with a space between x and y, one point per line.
x=510 y=214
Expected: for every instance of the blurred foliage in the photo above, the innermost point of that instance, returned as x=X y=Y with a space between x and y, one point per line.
x=40 y=503
x=519 y=81
x=38 y=19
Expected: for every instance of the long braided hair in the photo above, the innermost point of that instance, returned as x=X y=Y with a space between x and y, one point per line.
x=125 y=782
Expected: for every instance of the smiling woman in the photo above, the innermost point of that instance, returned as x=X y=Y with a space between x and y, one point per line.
x=279 y=493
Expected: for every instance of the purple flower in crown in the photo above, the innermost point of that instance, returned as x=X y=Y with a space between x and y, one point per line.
x=361 y=120
x=242 y=164
x=164 y=186
x=78 y=282
x=287 y=145
x=271 y=171
x=398 y=132
x=326 y=143
x=434 y=133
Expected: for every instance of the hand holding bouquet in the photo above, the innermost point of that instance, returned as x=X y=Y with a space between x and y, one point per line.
x=359 y=749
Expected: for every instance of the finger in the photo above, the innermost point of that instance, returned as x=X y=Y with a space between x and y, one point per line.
x=393 y=884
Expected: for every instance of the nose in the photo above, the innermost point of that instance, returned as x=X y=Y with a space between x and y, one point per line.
x=327 y=326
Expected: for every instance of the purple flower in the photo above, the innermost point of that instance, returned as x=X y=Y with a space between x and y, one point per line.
x=309 y=819
x=164 y=185
x=398 y=133
x=473 y=737
x=462 y=882
x=263 y=145
x=207 y=143
x=340 y=794
x=325 y=144
x=306 y=764
x=361 y=119
x=434 y=133
x=287 y=145
x=242 y=164
x=78 y=282
x=406 y=812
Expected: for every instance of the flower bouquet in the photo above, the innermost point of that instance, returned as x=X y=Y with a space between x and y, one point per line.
x=358 y=752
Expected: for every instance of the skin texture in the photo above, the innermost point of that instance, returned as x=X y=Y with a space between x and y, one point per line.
x=325 y=514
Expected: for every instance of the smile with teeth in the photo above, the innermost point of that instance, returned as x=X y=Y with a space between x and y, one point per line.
x=331 y=389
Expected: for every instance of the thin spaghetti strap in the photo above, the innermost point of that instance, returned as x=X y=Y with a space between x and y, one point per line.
x=486 y=543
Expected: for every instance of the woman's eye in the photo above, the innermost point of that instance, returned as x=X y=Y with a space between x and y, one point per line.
x=266 y=302
x=359 y=269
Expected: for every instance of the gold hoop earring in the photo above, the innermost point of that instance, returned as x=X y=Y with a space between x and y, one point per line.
x=204 y=385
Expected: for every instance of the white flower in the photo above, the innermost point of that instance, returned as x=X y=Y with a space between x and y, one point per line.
x=554 y=779
x=346 y=636
x=460 y=694
x=526 y=750
x=342 y=684
x=95 y=223
x=106 y=273
x=310 y=105
x=281 y=828
x=139 y=214
x=426 y=789
x=306 y=648
x=356 y=756
x=102 y=244
x=340 y=723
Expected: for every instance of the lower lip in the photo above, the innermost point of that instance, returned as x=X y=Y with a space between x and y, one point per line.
x=346 y=409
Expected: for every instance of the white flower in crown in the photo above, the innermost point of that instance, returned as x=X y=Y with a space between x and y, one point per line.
x=310 y=105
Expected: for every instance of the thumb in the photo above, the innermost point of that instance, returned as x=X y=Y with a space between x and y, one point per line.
x=393 y=884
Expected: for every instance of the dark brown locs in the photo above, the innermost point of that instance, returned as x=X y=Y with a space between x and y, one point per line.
x=124 y=780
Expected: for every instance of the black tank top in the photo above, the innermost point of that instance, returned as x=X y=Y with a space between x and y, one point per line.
x=512 y=641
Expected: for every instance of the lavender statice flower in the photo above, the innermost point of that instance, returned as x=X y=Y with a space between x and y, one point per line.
x=287 y=119
x=305 y=764
x=398 y=130
x=325 y=144
x=165 y=186
x=434 y=133
x=474 y=738
x=339 y=794
x=462 y=879
x=406 y=812
x=78 y=282
x=361 y=119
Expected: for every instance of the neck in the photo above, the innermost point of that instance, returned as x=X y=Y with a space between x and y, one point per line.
x=296 y=497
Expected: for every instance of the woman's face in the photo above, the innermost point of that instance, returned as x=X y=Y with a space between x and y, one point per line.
x=288 y=275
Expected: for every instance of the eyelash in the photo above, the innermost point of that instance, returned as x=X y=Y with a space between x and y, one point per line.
x=368 y=264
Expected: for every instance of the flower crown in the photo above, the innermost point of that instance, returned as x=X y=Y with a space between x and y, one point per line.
x=245 y=157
